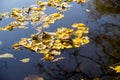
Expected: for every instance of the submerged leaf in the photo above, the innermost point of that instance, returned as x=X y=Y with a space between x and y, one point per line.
x=6 y=55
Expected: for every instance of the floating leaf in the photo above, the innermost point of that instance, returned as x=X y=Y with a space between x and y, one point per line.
x=8 y=27
x=55 y=52
x=16 y=46
x=116 y=68
x=85 y=40
x=97 y=79
x=0 y=43
x=6 y=55
x=33 y=77
x=49 y=56
x=77 y=42
x=81 y=1
x=87 y=10
x=25 y=60
x=57 y=59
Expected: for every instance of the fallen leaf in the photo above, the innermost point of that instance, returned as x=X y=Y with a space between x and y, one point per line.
x=6 y=55
x=0 y=42
x=33 y=77
x=57 y=59
x=87 y=10
x=25 y=60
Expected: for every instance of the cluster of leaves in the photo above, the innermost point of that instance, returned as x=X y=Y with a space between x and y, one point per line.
x=47 y=43
x=35 y=14
x=50 y=43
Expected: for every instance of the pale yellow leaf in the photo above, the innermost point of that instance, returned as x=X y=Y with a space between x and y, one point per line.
x=6 y=55
x=33 y=77
x=25 y=60
x=0 y=42
x=57 y=59
x=87 y=10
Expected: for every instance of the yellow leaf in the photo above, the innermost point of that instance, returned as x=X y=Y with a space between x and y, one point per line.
x=55 y=52
x=44 y=51
x=35 y=19
x=49 y=56
x=81 y=1
x=97 y=79
x=57 y=59
x=25 y=60
x=20 y=19
x=67 y=45
x=33 y=77
x=79 y=25
x=45 y=25
x=78 y=33
x=8 y=27
x=85 y=40
x=16 y=46
x=0 y=42
x=6 y=55
x=77 y=42
x=117 y=69
x=22 y=27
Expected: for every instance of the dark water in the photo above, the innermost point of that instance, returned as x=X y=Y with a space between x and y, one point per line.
x=87 y=62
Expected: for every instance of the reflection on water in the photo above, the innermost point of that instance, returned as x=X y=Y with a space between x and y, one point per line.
x=107 y=6
x=88 y=62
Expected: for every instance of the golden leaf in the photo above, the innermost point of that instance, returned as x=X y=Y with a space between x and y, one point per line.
x=49 y=56
x=78 y=33
x=20 y=19
x=67 y=45
x=77 y=42
x=116 y=68
x=35 y=19
x=44 y=51
x=81 y=1
x=85 y=40
x=8 y=27
x=16 y=46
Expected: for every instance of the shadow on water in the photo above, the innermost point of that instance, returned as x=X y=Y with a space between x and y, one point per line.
x=90 y=62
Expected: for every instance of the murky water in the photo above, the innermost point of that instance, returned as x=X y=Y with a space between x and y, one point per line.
x=87 y=62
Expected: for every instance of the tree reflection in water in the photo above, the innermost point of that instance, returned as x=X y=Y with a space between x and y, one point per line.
x=74 y=68
x=107 y=6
